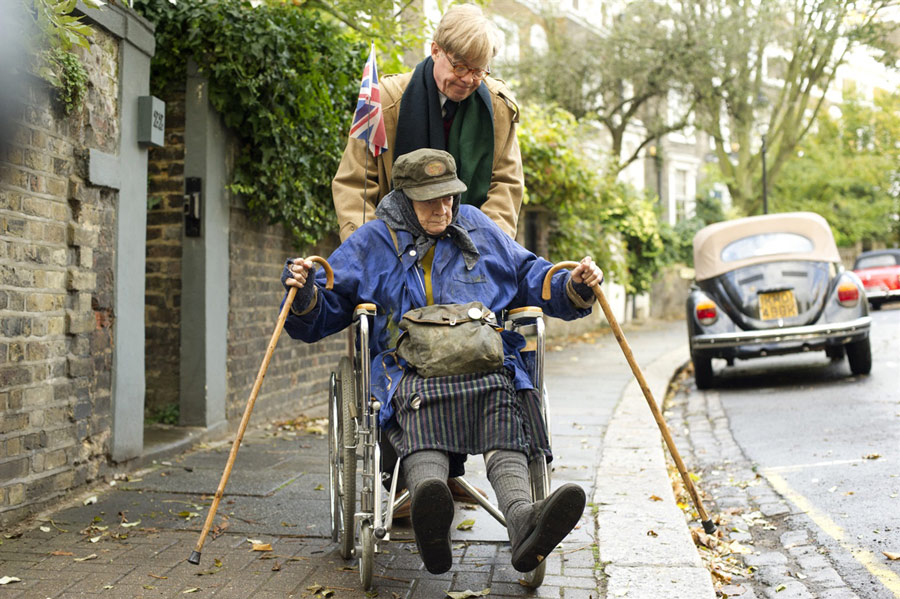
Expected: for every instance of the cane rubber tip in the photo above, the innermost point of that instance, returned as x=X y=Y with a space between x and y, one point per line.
x=709 y=526
x=195 y=558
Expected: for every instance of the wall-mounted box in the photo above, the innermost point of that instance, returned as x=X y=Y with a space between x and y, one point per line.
x=151 y=121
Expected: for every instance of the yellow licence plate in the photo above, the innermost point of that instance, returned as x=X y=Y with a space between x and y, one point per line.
x=778 y=304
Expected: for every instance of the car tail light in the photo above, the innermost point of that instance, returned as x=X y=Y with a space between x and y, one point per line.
x=848 y=294
x=706 y=313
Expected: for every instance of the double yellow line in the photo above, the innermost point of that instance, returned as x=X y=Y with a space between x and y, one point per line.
x=866 y=558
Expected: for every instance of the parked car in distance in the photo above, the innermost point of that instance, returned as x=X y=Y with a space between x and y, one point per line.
x=773 y=284
x=879 y=271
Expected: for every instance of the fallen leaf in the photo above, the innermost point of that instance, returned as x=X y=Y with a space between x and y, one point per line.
x=872 y=456
x=780 y=588
x=130 y=524
x=465 y=525
x=467 y=594
x=158 y=577
x=262 y=547
x=319 y=487
x=9 y=579
x=891 y=555
x=90 y=500
x=832 y=489
x=85 y=558
x=44 y=529
x=652 y=533
x=315 y=588
x=254 y=541
x=95 y=539
x=191 y=590
x=61 y=553
x=276 y=567
x=655 y=498
x=149 y=587
x=217 y=563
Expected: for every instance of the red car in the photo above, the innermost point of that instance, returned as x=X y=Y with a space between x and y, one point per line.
x=879 y=271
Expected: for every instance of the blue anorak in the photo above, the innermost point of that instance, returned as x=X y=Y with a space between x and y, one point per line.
x=369 y=268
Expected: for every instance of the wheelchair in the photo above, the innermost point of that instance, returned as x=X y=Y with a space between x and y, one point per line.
x=353 y=440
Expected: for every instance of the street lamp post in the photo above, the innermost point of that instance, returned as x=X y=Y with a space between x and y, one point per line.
x=765 y=195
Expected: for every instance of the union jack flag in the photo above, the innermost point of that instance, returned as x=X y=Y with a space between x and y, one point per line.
x=368 y=122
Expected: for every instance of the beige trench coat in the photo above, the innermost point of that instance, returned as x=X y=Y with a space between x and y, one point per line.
x=507 y=182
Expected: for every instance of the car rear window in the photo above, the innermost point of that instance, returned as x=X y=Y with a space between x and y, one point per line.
x=875 y=261
x=766 y=244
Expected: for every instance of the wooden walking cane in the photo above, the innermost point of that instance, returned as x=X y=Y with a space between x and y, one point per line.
x=282 y=316
x=708 y=525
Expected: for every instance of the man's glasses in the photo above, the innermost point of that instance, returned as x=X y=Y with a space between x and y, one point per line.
x=461 y=70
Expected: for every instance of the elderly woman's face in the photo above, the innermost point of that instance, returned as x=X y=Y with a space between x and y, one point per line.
x=434 y=215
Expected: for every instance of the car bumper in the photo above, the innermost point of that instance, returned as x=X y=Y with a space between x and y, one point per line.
x=788 y=336
x=881 y=294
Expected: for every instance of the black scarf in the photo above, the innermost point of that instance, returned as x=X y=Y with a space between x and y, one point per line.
x=396 y=210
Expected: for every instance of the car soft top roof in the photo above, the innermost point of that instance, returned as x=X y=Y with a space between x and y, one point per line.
x=711 y=240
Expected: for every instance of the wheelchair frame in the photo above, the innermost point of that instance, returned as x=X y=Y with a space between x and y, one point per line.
x=353 y=434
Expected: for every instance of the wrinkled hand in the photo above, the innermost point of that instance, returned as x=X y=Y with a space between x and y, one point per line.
x=295 y=274
x=296 y=271
x=587 y=273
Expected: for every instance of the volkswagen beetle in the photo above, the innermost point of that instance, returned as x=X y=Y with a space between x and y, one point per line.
x=770 y=285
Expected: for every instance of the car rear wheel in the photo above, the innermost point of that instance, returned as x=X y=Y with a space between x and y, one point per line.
x=875 y=305
x=859 y=355
x=703 y=372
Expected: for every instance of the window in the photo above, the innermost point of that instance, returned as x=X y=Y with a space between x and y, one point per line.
x=766 y=244
x=875 y=261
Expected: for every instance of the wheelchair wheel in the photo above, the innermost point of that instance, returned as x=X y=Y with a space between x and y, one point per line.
x=367 y=555
x=342 y=462
x=334 y=448
x=540 y=488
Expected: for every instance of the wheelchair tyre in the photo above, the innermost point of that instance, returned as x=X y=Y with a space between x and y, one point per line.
x=540 y=488
x=345 y=463
x=367 y=555
x=334 y=448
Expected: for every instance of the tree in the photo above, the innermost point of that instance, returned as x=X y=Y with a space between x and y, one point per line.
x=738 y=46
x=621 y=77
x=848 y=172
x=590 y=214
x=398 y=28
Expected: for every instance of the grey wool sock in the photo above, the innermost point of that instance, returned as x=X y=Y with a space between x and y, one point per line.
x=423 y=465
x=508 y=473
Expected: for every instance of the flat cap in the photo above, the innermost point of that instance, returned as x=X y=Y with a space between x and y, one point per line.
x=427 y=174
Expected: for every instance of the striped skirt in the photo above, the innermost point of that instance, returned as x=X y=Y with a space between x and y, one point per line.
x=466 y=415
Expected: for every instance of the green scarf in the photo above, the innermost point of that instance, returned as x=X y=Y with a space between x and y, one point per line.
x=472 y=137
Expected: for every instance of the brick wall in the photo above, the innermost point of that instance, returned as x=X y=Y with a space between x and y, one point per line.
x=164 y=241
x=56 y=258
x=297 y=377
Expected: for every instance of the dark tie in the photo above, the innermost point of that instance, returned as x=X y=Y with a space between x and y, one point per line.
x=450 y=110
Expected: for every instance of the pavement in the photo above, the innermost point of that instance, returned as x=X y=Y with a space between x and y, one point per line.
x=131 y=537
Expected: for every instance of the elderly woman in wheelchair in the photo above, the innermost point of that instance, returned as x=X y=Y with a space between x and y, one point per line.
x=436 y=407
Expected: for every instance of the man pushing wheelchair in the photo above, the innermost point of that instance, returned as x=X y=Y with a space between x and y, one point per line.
x=431 y=265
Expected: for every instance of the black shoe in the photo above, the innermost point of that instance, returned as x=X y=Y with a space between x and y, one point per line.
x=432 y=514
x=552 y=519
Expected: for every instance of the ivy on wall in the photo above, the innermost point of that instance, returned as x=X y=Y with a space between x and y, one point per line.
x=52 y=31
x=285 y=82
